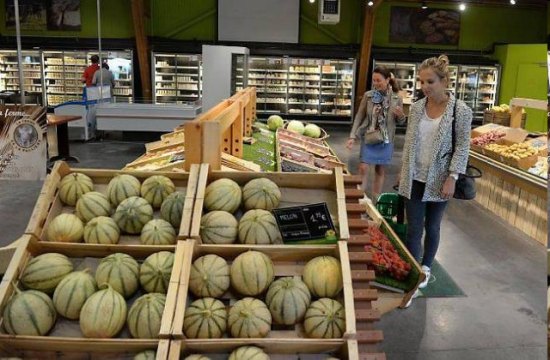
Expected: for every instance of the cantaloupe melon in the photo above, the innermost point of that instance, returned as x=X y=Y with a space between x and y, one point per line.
x=158 y=232
x=249 y=318
x=323 y=276
x=155 y=272
x=224 y=195
x=120 y=271
x=65 y=228
x=73 y=186
x=209 y=276
x=29 y=312
x=145 y=316
x=196 y=357
x=103 y=314
x=91 y=205
x=132 y=214
x=288 y=299
x=156 y=188
x=248 y=353
x=121 y=187
x=325 y=318
x=146 y=355
x=205 y=318
x=261 y=193
x=251 y=273
x=101 y=230
x=72 y=292
x=45 y=271
x=259 y=227
x=219 y=227
x=171 y=209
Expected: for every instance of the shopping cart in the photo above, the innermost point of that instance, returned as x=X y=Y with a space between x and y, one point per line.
x=392 y=208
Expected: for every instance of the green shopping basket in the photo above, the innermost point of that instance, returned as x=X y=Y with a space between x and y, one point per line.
x=392 y=208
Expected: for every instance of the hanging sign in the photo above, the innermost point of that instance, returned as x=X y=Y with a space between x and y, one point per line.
x=304 y=222
x=22 y=142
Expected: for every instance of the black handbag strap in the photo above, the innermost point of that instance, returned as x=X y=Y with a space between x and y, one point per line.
x=472 y=169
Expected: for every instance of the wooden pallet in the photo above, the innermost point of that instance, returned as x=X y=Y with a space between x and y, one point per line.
x=49 y=205
x=63 y=332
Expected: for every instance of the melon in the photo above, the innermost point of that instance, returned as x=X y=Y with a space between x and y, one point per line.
x=45 y=271
x=101 y=230
x=224 y=195
x=288 y=299
x=196 y=357
x=72 y=292
x=65 y=228
x=121 y=187
x=171 y=209
x=323 y=276
x=103 y=314
x=132 y=214
x=158 y=232
x=145 y=316
x=120 y=271
x=259 y=227
x=91 y=205
x=296 y=127
x=155 y=272
x=274 y=122
x=205 y=318
x=325 y=319
x=156 y=188
x=146 y=355
x=248 y=353
x=261 y=193
x=73 y=186
x=312 y=131
x=251 y=273
x=249 y=318
x=29 y=312
x=219 y=227
x=209 y=276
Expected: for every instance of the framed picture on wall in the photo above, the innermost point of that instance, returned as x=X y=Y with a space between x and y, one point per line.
x=64 y=15
x=424 y=26
x=32 y=14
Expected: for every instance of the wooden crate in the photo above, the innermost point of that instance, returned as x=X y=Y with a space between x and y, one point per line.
x=296 y=189
x=277 y=349
x=68 y=331
x=166 y=162
x=49 y=205
x=288 y=261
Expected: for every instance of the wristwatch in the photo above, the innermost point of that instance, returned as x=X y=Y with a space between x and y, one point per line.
x=454 y=176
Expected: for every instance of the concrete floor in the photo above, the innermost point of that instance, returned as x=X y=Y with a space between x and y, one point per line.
x=502 y=272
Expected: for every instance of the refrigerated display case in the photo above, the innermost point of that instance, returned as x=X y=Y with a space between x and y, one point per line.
x=32 y=73
x=270 y=77
x=176 y=78
x=120 y=64
x=239 y=78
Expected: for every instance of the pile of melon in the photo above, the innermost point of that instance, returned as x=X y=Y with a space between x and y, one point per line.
x=53 y=288
x=127 y=207
x=259 y=299
x=225 y=201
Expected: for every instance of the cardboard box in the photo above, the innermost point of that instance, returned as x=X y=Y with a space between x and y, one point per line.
x=513 y=136
x=541 y=144
x=480 y=130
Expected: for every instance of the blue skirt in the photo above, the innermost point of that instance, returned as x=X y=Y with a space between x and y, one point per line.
x=377 y=154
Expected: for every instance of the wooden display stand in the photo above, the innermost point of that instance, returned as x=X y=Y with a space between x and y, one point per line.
x=517 y=105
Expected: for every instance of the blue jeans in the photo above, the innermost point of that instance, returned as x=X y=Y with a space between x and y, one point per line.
x=423 y=215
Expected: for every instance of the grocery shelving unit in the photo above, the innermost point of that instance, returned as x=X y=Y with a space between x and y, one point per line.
x=32 y=73
x=239 y=78
x=120 y=64
x=176 y=78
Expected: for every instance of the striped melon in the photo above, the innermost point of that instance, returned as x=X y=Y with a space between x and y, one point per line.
x=158 y=232
x=288 y=299
x=132 y=214
x=73 y=186
x=209 y=276
x=72 y=292
x=146 y=355
x=259 y=227
x=101 y=230
x=261 y=193
x=156 y=188
x=196 y=357
x=323 y=276
x=249 y=318
x=205 y=318
x=171 y=209
x=65 y=228
x=29 y=312
x=219 y=227
x=224 y=195
x=103 y=314
x=145 y=316
x=120 y=271
x=325 y=319
x=155 y=272
x=248 y=353
x=91 y=205
x=121 y=187
x=45 y=271
x=251 y=273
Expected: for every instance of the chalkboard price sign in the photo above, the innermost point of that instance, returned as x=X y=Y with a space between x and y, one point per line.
x=303 y=222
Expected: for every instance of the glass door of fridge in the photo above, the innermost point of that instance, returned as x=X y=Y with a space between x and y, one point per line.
x=468 y=78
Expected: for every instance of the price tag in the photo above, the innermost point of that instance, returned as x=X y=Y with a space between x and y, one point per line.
x=303 y=222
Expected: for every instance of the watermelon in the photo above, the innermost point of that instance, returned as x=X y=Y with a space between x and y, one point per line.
x=274 y=122
x=325 y=319
x=65 y=228
x=101 y=230
x=132 y=214
x=91 y=205
x=259 y=227
x=158 y=232
x=312 y=131
x=296 y=127
x=156 y=188
x=120 y=271
x=45 y=271
x=249 y=318
x=205 y=318
x=288 y=299
x=121 y=187
x=219 y=227
x=209 y=276
x=261 y=193
x=251 y=273
x=103 y=314
x=72 y=292
x=29 y=312
x=155 y=272
x=145 y=316
x=323 y=276
x=224 y=195
x=171 y=209
x=73 y=186
x=248 y=353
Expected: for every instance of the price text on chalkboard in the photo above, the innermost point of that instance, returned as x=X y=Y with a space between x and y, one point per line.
x=303 y=222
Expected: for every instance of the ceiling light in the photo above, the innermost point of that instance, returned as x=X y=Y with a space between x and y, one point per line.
x=311 y=1
x=462 y=7
x=424 y=6
x=370 y=3
x=513 y=2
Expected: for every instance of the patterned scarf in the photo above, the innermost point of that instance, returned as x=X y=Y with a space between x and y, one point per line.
x=380 y=108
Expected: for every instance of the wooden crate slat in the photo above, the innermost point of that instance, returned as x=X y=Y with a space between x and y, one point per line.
x=363 y=275
x=353 y=180
x=360 y=257
x=359 y=240
x=369 y=337
x=365 y=294
x=354 y=194
x=356 y=208
x=378 y=356
x=358 y=223
x=367 y=315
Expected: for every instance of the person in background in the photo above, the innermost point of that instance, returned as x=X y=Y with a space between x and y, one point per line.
x=383 y=106
x=430 y=168
x=107 y=75
x=88 y=74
